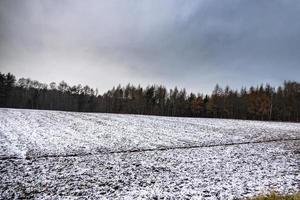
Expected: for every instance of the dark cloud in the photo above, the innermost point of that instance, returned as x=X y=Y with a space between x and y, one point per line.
x=192 y=44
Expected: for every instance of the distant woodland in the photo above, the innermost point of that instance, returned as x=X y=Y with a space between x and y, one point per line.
x=263 y=102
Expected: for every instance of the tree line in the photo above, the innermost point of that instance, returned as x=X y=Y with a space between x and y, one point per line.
x=263 y=102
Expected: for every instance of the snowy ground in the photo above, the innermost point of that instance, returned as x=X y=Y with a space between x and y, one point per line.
x=51 y=154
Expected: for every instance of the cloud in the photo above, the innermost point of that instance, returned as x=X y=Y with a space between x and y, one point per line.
x=190 y=44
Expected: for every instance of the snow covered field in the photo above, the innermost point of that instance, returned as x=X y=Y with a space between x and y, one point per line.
x=66 y=154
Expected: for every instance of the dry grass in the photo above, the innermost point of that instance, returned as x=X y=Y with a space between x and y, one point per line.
x=274 y=196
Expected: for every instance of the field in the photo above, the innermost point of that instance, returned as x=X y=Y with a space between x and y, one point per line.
x=53 y=154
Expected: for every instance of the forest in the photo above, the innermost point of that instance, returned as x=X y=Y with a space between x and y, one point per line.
x=262 y=102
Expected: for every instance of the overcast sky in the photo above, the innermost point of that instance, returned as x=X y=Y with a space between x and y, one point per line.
x=192 y=44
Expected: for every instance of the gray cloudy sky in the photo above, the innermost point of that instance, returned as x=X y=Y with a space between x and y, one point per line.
x=191 y=44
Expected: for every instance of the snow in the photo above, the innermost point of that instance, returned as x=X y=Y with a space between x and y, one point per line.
x=54 y=154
